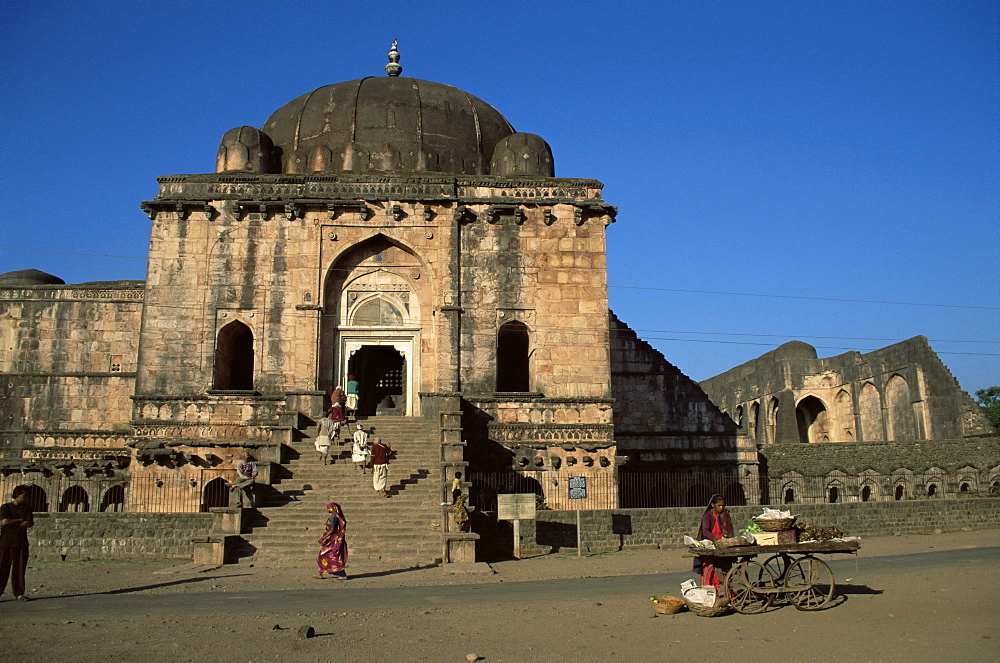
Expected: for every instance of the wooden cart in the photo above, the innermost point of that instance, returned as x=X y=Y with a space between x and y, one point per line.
x=791 y=572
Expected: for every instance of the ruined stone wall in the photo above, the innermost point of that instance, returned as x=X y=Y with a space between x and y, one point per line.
x=901 y=392
x=68 y=356
x=663 y=417
x=665 y=528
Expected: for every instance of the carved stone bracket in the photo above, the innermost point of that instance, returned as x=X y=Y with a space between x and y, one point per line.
x=594 y=209
x=293 y=210
x=463 y=214
x=396 y=211
x=428 y=213
x=493 y=213
x=182 y=208
x=549 y=217
x=359 y=207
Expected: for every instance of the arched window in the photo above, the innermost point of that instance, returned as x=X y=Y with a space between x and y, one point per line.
x=37 y=499
x=234 y=358
x=754 y=416
x=114 y=499
x=833 y=494
x=216 y=494
x=513 y=366
x=812 y=420
x=377 y=312
x=789 y=496
x=75 y=499
x=932 y=489
x=898 y=493
x=866 y=493
x=739 y=416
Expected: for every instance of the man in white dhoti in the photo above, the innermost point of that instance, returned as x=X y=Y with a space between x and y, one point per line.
x=380 y=466
x=360 y=450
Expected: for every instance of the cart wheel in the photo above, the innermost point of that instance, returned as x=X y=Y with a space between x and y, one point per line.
x=742 y=584
x=809 y=582
x=778 y=566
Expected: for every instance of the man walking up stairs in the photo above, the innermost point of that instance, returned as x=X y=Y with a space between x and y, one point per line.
x=403 y=531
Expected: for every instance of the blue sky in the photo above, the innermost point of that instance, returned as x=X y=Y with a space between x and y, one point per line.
x=841 y=150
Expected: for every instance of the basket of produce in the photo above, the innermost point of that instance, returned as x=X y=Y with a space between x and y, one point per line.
x=666 y=605
x=720 y=607
x=774 y=525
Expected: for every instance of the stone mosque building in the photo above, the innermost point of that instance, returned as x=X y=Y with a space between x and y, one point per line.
x=401 y=231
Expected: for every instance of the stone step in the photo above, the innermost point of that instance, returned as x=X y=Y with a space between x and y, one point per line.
x=406 y=528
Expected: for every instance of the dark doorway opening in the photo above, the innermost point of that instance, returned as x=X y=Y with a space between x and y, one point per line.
x=381 y=374
x=234 y=358
x=512 y=358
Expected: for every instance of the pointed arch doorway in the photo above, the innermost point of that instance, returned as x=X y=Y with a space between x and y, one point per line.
x=383 y=376
x=372 y=326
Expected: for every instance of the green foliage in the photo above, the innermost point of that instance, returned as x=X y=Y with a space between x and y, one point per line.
x=989 y=398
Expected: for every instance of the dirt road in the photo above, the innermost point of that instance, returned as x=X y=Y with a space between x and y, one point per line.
x=914 y=598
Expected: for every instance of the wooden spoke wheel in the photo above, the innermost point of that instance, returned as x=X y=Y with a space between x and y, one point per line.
x=778 y=566
x=809 y=583
x=744 y=585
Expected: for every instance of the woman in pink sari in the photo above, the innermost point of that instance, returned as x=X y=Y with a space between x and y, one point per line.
x=333 y=545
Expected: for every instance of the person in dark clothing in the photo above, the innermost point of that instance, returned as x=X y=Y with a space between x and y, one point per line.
x=15 y=519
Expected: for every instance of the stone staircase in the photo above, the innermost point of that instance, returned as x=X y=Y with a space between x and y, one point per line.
x=404 y=529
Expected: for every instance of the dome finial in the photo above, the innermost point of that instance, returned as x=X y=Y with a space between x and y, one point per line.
x=394 y=68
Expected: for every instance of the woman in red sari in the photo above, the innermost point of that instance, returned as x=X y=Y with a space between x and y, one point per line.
x=715 y=524
x=332 y=557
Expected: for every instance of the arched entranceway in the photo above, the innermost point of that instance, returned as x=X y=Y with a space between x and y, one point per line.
x=811 y=417
x=382 y=379
x=372 y=325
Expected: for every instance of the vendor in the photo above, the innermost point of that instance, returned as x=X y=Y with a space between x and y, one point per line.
x=715 y=524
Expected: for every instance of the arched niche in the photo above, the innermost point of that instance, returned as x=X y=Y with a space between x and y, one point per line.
x=899 y=409
x=234 y=358
x=870 y=411
x=843 y=424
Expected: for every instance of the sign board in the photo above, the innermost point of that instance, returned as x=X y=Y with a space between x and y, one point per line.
x=578 y=488
x=516 y=506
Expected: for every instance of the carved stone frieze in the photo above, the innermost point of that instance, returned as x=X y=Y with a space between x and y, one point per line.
x=548 y=435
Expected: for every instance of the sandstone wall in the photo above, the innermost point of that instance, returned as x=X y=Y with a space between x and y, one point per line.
x=68 y=355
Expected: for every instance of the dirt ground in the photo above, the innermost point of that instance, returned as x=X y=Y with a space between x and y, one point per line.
x=944 y=611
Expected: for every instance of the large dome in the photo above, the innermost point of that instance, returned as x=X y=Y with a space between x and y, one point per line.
x=385 y=123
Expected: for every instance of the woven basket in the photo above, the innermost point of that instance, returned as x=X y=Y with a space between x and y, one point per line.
x=721 y=607
x=667 y=605
x=775 y=525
